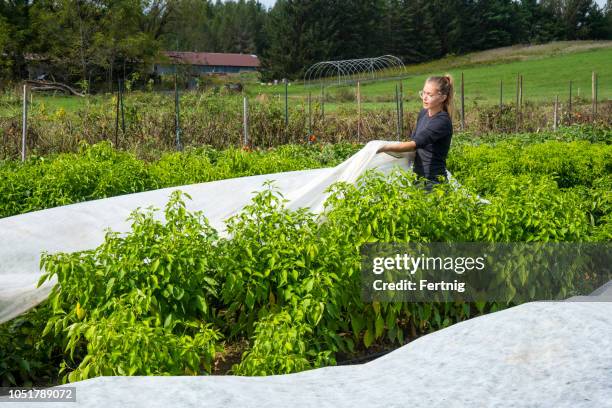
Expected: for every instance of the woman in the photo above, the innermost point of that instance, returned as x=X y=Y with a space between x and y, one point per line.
x=434 y=129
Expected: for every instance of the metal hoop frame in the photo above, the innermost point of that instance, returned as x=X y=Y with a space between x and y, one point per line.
x=353 y=70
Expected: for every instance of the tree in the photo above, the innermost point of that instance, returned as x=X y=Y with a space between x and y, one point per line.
x=300 y=33
x=577 y=19
x=357 y=27
x=88 y=41
x=15 y=27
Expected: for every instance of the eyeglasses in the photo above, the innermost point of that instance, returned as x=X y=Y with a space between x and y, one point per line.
x=422 y=94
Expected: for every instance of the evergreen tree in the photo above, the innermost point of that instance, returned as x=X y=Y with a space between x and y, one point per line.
x=357 y=34
x=99 y=40
x=391 y=29
x=15 y=34
x=464 y=30
x=300 y=33
x=495 y=20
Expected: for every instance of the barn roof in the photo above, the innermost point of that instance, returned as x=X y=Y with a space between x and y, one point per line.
x=213 y=58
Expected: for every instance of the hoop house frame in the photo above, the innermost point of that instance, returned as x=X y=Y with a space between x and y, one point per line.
x=353 y=70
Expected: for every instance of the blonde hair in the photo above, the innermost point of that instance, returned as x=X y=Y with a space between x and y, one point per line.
x=446 y=87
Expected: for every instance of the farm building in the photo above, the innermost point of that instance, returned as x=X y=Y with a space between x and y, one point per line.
x=208 y=62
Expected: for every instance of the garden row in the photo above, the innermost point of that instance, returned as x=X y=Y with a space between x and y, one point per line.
x=147 y=124
x=170 y=298
x=101 y=171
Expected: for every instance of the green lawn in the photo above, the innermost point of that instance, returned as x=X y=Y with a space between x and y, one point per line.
x=546 y=69
x=543 y=78
x=9 y=107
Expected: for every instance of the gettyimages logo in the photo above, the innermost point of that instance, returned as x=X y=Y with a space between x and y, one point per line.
x=494 y=272
x=412 y=264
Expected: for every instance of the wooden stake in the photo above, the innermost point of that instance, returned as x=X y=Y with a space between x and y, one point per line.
x=521 y=93
x=397 y=112
x=593 y=96
x=555 y=113
x=24 y=125
x=358 y=111
x=570 y=101
x=286 y=102
x=245 y=123
x=517 y=92
x=177 y=113
x=309 y=113
x=518 y=105
x=122 y=110
x=117 y=116
x=322 y=103
x=596 y=91
x=501 y=94
x=401 y=106
x=462 y=103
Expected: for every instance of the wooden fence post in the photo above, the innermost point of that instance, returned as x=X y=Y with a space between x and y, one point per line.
x=24 y=125
x=569 y=108
x=593 y=95
x=177 y=113
x=117 y=114
x=462 y=103
x=286 y=102
x=518 y=90
x=555 y=113
x=401 y=107
x=322 y=104
x=245 y=121
x=122 y=109
x=397 y=112
x=501 y=94
x=521 y=93
x=358 y=111
x=309 y=113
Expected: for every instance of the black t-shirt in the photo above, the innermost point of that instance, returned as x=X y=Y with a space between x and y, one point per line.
x=433 y=138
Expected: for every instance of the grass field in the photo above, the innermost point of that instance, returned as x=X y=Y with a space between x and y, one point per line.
x=546 y=70
x=544 y=76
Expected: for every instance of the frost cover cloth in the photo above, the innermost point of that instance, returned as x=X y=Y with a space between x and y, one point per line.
x=82 y=226
x=539 y=354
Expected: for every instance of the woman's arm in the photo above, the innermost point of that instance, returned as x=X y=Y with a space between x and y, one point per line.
x=398 y=147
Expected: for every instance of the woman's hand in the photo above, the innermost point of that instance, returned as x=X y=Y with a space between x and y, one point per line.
x=402 y=147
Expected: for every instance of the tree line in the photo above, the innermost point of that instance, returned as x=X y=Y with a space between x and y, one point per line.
x=92 y=42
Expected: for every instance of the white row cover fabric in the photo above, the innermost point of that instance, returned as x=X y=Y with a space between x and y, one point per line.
x=539 y=354
x=82 y=226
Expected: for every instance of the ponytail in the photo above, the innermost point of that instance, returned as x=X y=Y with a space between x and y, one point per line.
x=446 y=87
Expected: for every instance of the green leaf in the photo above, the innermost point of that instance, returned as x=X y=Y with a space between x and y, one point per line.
x=25 y=365
x=42 y=279
x=357 y=324
x=109 y=286
x=480 y=306
x=168 y=321
x=178 y=293
x=201 y=304
x=379 y=325
x=368 y=338
x=250 y=299
x=376 y=307
x=309 y=284
x=48 y=327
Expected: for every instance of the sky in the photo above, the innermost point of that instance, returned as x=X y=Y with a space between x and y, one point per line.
x=267 y=3
x=270 y=3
